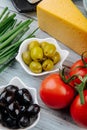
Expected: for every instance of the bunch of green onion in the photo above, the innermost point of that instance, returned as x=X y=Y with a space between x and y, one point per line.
x=11 y=32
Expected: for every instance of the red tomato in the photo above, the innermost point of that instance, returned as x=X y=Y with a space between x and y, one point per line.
x=55 y=93
x=78 y=68
x=79 y=111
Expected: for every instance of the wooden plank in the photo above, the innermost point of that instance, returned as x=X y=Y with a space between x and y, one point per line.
x=50 y=119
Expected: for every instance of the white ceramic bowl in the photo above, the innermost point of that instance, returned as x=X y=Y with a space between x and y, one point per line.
x=17 y=82
x=85 y=5
x=23 y=47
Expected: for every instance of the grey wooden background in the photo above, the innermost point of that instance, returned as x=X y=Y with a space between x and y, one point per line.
x=50 y=119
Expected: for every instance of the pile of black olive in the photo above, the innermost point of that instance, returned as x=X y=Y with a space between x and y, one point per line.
x=17 y=108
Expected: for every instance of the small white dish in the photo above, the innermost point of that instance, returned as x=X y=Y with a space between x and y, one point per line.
x=17 y=82
x=23 y=47
x=85 y=5
x=33 y=1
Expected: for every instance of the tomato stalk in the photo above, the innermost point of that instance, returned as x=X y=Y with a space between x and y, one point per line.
x=83 y=60
x=82 y=57
x=63 y=76
x=80 y=87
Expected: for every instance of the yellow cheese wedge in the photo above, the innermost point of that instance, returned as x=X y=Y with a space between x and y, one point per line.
x=64 y=21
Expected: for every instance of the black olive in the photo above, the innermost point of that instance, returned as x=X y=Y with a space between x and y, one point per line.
x=32 y=119
x=12 y=88
x=24 y=97
x=24 y=121
x=8 y=94
x=2 y=106
x=4 y=112
x=7 y=97
x=22 y=109
x=17 y=109
x=30 y=109
x=36 y=109
x=9 y=122
x=33 y=109
x=2 y=97
x=14 y=109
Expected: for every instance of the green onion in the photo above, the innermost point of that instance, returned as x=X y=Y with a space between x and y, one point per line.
x=3 y=12
x=11 y=36
x=8 y=27
x=8 y=34
x=5 y=21
x=5 y=43
x=6 y=16
x=2 y=67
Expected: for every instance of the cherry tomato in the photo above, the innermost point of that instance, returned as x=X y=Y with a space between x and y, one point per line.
x=55 y=93
x=79 y=111
x=80 y=69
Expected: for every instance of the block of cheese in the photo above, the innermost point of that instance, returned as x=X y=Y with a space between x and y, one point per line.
x=64 y=21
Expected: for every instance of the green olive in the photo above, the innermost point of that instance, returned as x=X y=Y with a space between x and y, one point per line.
x=41 y=56
x=37 y=53
x=43 y=44
x=47 y=65
x=44 y=58
x=49 y=50
x=26 y=57
x=35 y=67
x=32 y=44
x=56 y=58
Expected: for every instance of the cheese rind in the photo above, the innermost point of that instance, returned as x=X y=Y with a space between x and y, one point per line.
x=64 y=21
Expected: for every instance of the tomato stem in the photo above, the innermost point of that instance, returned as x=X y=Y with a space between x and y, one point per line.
x=63 y=77
x=82 y=57
x=80 y=87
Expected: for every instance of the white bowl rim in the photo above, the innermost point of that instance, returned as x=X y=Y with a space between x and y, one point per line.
x=14 y=81
x=85 y=5
x=64 y=54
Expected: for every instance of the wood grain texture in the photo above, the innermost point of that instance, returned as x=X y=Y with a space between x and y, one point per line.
x=50 y=119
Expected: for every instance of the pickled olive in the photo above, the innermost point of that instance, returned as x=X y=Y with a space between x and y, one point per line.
x=24 y=97
x=22 y=109
x=9 y=122
x=4 y=112
x=37 y=53
x=26 y=57
x=33 y=109
x=14 y=108
x=30 y=109
x=47 y=65
x=56 y=58
x=43 y=44
x=6 y=120
x=33 y=118
x=7 y=97
x=36 y=109
x=2 y=98
x=11 y=88
x=24 y=121
x=32 y=44
x=43 y=56
x=49 y=50
x=2 y=107
x=35 y=67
